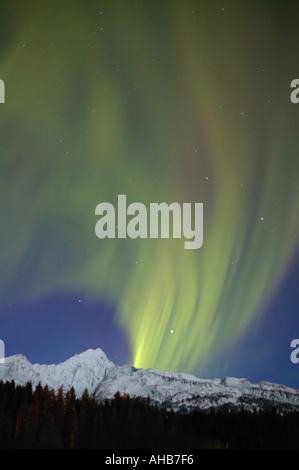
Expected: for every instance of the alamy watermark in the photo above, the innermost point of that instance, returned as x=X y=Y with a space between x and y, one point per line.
x=295 y=353
x=295 y=93
x=111 y=225
x=2 y=352
x=2 y=91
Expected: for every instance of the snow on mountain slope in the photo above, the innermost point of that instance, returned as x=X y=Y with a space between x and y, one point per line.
x=183 y=392
x=82 y=371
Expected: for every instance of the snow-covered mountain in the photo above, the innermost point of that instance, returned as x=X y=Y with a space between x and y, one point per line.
x=182 y=392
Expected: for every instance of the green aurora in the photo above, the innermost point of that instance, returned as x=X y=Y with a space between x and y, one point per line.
x=161 y=101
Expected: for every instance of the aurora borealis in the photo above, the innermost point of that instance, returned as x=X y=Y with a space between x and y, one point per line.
x=161 y=101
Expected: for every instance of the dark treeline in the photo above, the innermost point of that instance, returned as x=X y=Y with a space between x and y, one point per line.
x=42 y=419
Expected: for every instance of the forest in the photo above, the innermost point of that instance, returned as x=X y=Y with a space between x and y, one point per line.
x=43 y=419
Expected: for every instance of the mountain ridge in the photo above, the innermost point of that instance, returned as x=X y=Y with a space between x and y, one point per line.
x=92 y=370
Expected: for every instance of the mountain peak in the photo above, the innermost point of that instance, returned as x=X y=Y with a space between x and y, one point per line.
x=92 y=370
x=16 y=358
x=97 y=355
x=81 y=371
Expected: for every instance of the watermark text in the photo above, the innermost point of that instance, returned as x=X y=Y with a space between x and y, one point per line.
x=295 y=93
x=152 y=222
x=2 y=352
x=295 y=353
x=2 y=91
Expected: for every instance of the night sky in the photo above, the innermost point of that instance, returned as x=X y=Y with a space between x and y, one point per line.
x=162 y=101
